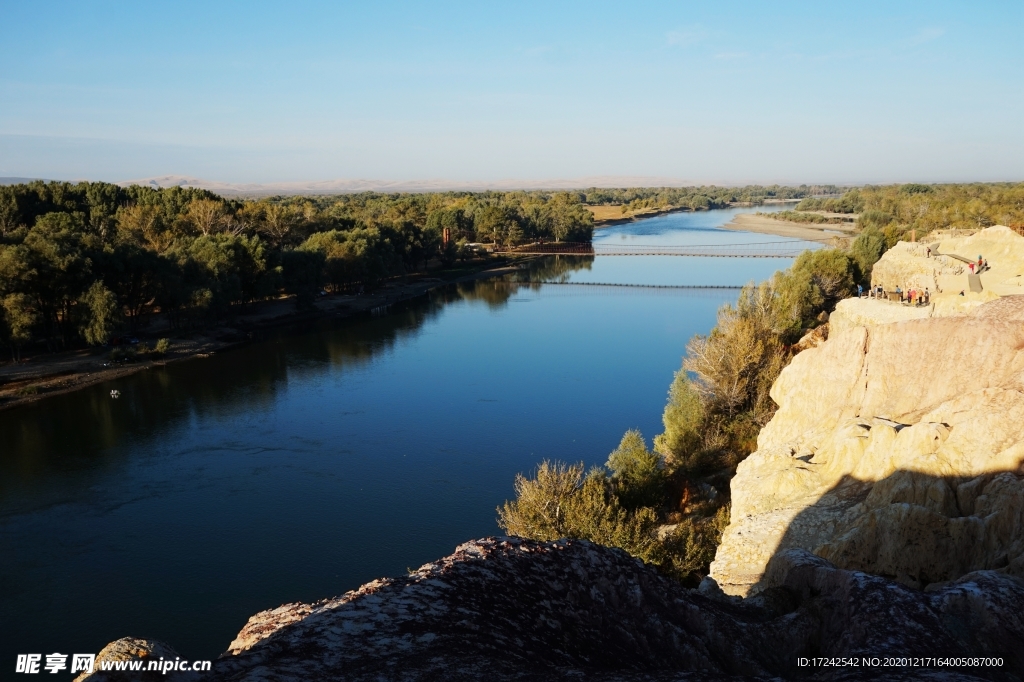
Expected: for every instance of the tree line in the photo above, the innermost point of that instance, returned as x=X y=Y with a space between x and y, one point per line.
x=698 y=198
x=893 y=211
x=81 y=262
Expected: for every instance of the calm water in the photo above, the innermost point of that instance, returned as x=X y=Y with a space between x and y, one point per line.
x=305 y=464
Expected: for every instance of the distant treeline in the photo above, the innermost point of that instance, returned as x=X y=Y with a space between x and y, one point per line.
x=80 y=262
x=700 y=198
x=800 y=217
x=894 y=210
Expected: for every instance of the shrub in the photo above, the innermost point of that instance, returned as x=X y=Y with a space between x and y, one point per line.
x=681 y=442
x=873 y=218
x=831 y=270
x=866 y=249
x=690 y=547
x=162 y=346
x=636 y=472
x=558 y=502
x=124 y=354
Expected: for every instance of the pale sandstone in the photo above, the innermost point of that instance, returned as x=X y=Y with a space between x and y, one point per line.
x=908 y=266
x=885 y=440
x=868 y=312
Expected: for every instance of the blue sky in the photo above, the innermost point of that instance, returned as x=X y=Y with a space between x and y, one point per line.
x=727 y=92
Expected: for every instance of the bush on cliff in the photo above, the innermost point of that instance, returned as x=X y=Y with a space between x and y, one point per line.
x=637 y=473
x=560 y=502
x=866 y=249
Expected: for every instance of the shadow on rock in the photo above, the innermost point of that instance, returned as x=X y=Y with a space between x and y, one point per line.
x=506 y=608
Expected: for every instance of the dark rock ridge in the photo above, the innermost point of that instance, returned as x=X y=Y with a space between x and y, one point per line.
x=513 y=609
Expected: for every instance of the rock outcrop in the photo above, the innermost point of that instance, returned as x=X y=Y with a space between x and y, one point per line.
x=134 y=649
x=504 y=609
x=908 y=266
x=896 y=449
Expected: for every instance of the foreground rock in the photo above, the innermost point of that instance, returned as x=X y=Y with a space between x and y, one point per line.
x=133 y=649
x=896 y=450
x=504 y=609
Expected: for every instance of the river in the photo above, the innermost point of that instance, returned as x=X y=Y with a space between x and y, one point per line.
x=307 y=463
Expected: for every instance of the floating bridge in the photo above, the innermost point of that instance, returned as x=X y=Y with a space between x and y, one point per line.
x=779 y=249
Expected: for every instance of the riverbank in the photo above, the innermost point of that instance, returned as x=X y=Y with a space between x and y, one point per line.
x=607 y=216
x=47 y=375
x=750 y=222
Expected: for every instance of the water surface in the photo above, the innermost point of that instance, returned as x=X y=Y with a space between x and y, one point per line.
x=305 y=464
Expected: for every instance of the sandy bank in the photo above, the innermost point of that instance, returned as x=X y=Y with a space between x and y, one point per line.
x=606 y=216
x=750 y=222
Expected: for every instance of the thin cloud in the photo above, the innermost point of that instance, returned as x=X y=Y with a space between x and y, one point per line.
x=689 y=35
x=925 y=35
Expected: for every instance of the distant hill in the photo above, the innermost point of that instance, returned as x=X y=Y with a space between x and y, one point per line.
x=16 y=181
x=358 y=185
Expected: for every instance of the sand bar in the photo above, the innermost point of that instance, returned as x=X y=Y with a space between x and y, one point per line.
x=751 y=222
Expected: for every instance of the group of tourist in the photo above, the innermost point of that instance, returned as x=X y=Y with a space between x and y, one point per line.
x=915 y=296
x=910 y=296
x=979 y=267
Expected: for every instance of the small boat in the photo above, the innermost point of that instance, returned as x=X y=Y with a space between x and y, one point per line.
x=115 y=393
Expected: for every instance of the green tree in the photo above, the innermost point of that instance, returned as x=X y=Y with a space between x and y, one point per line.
x=636 y=472
x=133 y=273
x=570 y=219
x=866 y=250
x=16 y=322
x=57 y=270
x=102 y=314
x=832 y=271
x=302 y=271
x=680 y=444
x=493 y=223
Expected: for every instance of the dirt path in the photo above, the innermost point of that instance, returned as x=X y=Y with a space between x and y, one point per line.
x=46 y=375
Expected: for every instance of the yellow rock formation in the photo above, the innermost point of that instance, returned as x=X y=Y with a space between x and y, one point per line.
x=943 y=274
x=896 y=449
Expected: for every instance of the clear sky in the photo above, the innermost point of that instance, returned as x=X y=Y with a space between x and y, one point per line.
x=727 y=92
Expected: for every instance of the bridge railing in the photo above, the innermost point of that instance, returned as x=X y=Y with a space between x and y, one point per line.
x=778 y=249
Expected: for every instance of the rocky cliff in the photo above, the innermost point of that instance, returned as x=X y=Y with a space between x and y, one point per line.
x=896 y=449
x=881 y=515
x=944 y=272
x=511 y=609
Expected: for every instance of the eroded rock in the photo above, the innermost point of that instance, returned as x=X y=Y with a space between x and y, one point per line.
x=512 y=609
x=896 y=449
x=134 y=649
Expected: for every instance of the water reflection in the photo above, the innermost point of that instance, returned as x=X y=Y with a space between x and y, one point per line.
x=319 y=457
x=68 y=433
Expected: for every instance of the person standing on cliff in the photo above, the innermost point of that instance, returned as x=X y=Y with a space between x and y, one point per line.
x=860 y=291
